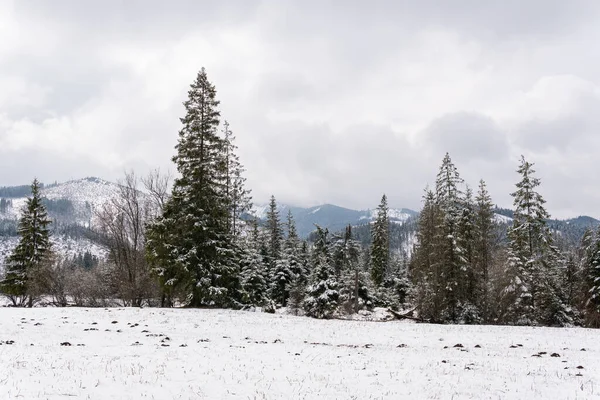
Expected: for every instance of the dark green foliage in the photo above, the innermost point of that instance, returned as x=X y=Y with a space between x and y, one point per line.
x=322 y=295
x=191 y=245
x=85 y=260
x=533 y=294
x=591 y=278
x=485 y=245
x=380 y=249
x=274 y=233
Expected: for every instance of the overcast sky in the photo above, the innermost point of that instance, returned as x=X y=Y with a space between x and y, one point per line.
x=331 y=101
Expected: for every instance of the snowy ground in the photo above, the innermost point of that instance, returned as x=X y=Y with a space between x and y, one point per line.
x=216 y=354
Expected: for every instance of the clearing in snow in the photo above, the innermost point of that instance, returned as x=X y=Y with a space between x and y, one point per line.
x=59 y=353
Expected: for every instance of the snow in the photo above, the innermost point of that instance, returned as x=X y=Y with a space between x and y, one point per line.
x=94 y=192
x=396 y=215
x=502 y=219
x=260 y=211
x=220 y=354
x=316 y=210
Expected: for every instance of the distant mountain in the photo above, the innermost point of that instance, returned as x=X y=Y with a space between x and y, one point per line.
x=568 y=231
x=330 y=216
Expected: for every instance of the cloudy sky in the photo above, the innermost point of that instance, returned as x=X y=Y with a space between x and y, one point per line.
x=331 y=101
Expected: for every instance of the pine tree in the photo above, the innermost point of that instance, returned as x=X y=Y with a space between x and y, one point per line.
x=484 y=249
x=32 y=251
x=425 y=267
x=274 y=232
x=591 y=273
x=191 y=243
x=322 y=294
x=239 y=201
x=354 y=292
x=533 y=293
x=471 y=312
x=449 y=245
x=380 y=249
x=254 y=283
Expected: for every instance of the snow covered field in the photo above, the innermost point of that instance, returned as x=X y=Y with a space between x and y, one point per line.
x=217 y=354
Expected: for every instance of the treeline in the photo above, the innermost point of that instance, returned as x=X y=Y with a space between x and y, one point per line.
x=194 y=244
x=16 y=191
x=464 y=271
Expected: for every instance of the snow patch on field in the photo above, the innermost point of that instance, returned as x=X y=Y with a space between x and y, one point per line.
x=219 y=354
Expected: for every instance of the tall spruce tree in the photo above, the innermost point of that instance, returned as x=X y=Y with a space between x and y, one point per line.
x=33 y=249
x=191 y=242
x=471 y=312
x=380 y=248
x=239 y=200
x=533 y=294
x=292 y=250
x=274 y=232
x=449 y=245
x=484 y=248
x=425 y=266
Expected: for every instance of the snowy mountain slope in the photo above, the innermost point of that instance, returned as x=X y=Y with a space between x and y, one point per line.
x=86 y=195
x=94 y=191
x=502 y=219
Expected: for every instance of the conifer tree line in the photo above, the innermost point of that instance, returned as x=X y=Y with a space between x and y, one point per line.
x=463 y=272
x=195 y=243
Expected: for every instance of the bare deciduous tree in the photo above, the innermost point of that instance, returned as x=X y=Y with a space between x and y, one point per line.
x=157 y=187
x=122 y=222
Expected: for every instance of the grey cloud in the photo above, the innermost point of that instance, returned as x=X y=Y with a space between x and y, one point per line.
x=326 y=97
x=365 y=160
x=575 y=122
x=22 y=166
x=468 y=136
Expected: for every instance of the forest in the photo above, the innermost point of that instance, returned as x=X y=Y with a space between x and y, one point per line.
x=193 y=242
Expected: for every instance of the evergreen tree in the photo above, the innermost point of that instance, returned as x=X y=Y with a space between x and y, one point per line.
x=355 y=291
x=591 y=273
x=471 y=312
x=282 y=276
x=533 y=293
x=274 y=232
x=239 y=201
x=254 y=283
x=380 y=248
x=32 y=251
x=322 y=294
x=191 y=243
x=484 y=248
x=425 y=267
x=449 y=245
